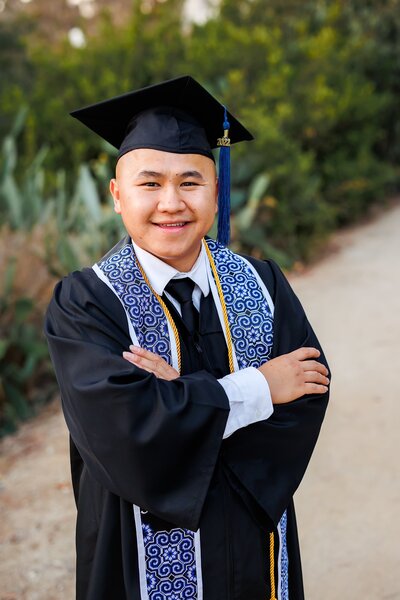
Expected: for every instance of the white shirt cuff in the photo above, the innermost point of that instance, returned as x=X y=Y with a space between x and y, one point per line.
x=249 y=399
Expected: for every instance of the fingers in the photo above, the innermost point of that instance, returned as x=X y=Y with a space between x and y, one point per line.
x=304 y=356
x=145 y=354
x=315 y=388
x=150 y=362
x=315 y=377
x=305 y=353
x=143 y=362
x=315 y=373
x=145 y=359
x=158 y=367
x=314 y=365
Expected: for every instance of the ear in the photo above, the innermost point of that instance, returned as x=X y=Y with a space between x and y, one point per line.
x=216 y=195
x=114 y=189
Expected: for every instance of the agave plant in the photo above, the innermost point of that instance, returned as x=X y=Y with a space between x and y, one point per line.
x=249 y=222
x=59 y=231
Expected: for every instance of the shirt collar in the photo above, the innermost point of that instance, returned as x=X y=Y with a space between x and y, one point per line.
x=159 y=273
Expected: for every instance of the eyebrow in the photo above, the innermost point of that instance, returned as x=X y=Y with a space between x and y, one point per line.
x=194 y=174
x=149 y=174
x=155 y=174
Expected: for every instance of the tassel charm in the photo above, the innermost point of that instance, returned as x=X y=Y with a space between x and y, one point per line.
x=225 y=140
x=224 y=184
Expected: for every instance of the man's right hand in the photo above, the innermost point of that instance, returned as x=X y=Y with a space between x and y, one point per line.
x=296 y=374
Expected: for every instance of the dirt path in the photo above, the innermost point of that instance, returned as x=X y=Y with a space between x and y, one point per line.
x=349 y=502
x=37 y=512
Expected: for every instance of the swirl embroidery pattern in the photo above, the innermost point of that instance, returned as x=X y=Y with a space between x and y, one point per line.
x=250 y=317
x=145 y=312
x=251 y=324
x=170 y=555
x=284 y=560
x=170 y=564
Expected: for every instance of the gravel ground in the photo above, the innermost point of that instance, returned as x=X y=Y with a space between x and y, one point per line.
x=349 y=501
x=37 y=512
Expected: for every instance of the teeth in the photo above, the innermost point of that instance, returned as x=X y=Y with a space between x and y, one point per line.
x=172 y=224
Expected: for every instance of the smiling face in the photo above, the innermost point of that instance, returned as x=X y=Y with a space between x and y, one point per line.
x=167 y=202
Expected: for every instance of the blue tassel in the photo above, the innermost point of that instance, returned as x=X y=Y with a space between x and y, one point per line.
x=224 y=185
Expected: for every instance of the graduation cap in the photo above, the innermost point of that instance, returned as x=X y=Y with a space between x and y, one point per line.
x=177 y=115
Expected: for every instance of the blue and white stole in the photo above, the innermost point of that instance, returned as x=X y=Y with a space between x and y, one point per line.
x=170 y=561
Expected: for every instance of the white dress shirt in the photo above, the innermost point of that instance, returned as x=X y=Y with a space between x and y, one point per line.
x=247 y=390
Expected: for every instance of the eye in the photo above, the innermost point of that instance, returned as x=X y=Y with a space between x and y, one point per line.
x=189 y=183
x=149 y=184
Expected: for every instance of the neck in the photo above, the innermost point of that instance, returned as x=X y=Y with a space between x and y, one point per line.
x=183 y=264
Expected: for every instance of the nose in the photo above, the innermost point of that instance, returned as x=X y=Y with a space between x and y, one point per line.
x=170 y=199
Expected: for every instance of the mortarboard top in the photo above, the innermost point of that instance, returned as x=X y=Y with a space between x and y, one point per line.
x=177 y=115
x=185 y=118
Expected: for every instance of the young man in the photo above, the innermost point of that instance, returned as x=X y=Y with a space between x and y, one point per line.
x=192 y=384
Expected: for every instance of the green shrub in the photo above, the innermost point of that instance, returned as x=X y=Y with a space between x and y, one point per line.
x=25 y=374
x=316 y=82
x=41 y=239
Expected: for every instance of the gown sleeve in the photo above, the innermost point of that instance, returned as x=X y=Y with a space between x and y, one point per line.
x=268 y=459
x=152 y=442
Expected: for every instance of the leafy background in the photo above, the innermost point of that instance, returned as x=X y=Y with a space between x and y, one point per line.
x=317 y=82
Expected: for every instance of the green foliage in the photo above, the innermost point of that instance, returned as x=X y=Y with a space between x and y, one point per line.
x=148 y=47
x=73 y=228
x=78 y=225
x=297 y=75
x=316 y=81
x=16 y=69
x=23 y=357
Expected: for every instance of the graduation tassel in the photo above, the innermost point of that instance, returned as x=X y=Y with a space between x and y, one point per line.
x=224 y=184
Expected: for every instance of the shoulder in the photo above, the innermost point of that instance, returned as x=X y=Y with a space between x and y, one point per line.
x=84 y=307
x=84 y=285
x=79 y=285
x=84 y=291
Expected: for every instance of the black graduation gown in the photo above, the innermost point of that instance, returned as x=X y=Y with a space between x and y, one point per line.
x=139 y=440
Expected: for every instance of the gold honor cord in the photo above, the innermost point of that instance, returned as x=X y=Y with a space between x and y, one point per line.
x=172 y=322
x=272 y=565
x=223 y=306
x=166 y=312
x=231 y=368
x=231 y=365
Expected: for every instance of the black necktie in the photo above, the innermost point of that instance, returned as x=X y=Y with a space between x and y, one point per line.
x=182 y=291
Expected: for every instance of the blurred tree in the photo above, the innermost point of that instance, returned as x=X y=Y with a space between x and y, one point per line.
x=317 y=82
x=56 y=17
x=380 y=22
x=16 y=70
x=296 y=72
x=148 y=47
